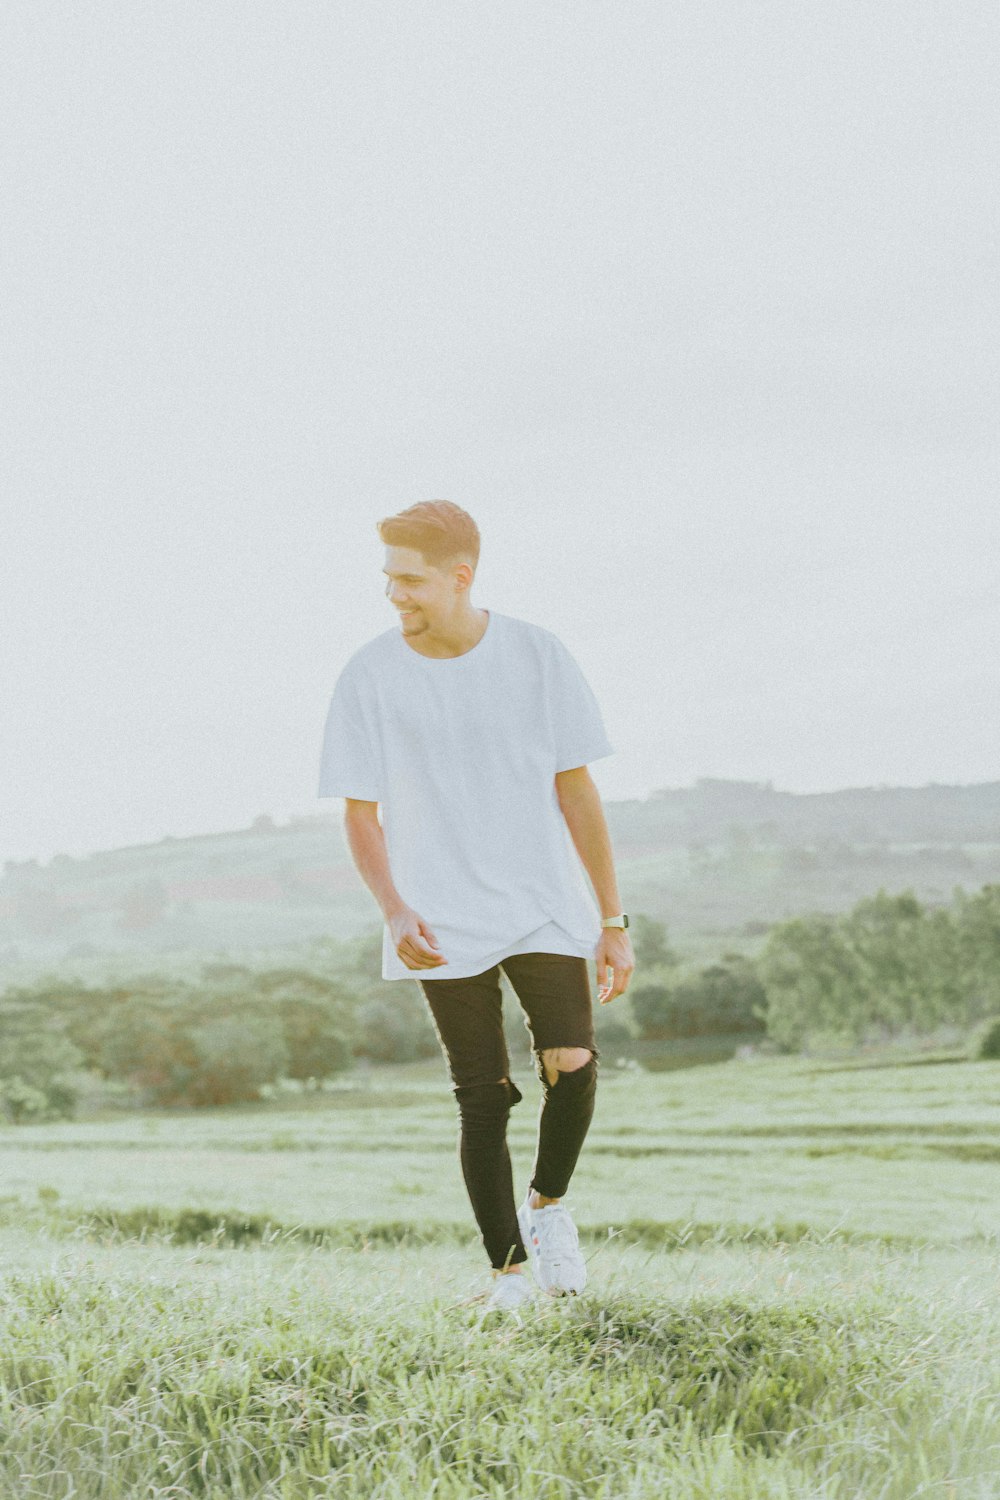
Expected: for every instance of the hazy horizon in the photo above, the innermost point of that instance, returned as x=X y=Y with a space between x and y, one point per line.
x=329 y=808
x=695 y=310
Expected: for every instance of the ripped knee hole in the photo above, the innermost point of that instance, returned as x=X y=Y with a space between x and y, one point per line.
x=581 y=1072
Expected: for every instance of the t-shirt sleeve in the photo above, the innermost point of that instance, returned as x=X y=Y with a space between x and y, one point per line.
x=350 y=762
x=577 y=725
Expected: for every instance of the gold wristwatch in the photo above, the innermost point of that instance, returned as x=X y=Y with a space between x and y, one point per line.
x=621 y=921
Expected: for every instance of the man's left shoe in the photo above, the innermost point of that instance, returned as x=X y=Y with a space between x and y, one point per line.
x=553 y=1245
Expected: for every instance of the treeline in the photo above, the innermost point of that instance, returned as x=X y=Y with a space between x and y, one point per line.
x=668 y=1000
x=889 y=966
x=219 y=1038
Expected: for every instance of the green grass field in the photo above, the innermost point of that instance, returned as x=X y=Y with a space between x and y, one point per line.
x=794 y=1279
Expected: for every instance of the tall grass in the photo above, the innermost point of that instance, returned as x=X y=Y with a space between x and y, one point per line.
x=838 y=1349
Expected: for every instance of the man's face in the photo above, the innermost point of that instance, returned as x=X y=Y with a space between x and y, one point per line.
x=423 y=596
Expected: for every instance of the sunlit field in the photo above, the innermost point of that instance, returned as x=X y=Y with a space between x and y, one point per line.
x=794 y=1290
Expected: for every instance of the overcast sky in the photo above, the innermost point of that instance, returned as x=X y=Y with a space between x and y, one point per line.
x=693 y=306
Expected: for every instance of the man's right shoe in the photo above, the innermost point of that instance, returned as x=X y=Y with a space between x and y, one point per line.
x=553 y=1245
x=512 y=1290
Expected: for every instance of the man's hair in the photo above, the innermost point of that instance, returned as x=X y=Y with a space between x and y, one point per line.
x=443 y=532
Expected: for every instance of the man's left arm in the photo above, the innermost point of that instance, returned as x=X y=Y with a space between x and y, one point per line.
x=580 y=802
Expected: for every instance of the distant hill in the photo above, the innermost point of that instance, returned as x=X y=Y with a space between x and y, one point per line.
x=860 y=815
x=717 y=862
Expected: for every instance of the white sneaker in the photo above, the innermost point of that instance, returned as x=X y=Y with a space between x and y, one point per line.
x=512 y=1290
x=553 y=1245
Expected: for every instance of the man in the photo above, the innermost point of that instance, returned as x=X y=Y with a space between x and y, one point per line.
x=473 y=730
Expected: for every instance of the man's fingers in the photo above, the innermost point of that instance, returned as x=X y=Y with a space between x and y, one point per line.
x=418 y=947
x=614 y=982
x=417 y=955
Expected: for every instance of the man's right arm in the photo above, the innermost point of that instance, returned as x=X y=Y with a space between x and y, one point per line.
x=415 y=943
x=366 y=842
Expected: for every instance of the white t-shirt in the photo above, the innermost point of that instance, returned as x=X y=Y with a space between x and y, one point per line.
x=462 y=753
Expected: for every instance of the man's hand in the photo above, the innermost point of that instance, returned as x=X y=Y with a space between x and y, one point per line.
x=409 y=930
x=614 y=951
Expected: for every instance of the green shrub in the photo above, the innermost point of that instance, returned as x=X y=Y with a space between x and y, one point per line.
x=984 y=1043
x=22 y=1101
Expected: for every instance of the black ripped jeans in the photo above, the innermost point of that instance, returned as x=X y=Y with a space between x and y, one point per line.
x=554 y=992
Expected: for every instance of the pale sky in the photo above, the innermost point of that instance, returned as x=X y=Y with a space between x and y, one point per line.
x=694 y=307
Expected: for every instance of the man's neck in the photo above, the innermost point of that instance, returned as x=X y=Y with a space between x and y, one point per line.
x=454 y=644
